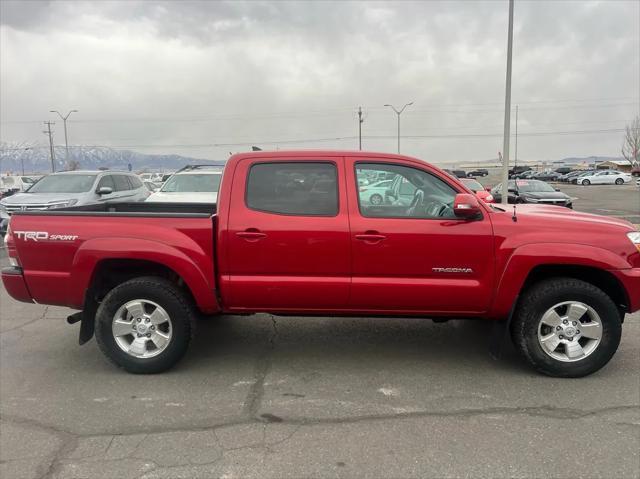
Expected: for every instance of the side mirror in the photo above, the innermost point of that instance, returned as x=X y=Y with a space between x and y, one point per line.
x=466 y=206
x=487 y=188
x=557 y=189
x=104 y=190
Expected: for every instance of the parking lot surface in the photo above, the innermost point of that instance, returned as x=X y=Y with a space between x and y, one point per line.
x=264 y=396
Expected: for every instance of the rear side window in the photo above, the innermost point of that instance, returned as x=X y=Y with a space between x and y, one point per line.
x=135 y=182
x=290 y=188
x=122 y=184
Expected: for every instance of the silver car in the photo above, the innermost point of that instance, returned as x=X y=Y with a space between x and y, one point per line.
x=74 y=188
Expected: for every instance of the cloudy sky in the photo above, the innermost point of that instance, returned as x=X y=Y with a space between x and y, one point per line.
x=205 y=78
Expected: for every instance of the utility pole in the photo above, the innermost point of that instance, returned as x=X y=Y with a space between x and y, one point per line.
x=399 y=112
x=22 y=158
x=50 y=133
x=507 y=112
x=66 y=142
x=360 y=121
x=515 y=153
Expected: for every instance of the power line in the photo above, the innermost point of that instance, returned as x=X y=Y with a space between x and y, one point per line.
x=337 y=111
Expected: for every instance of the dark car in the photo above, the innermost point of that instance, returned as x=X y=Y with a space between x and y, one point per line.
x=569 y=176
x=459 y=173
x=563 y=170
x=525 y=174
x=518 y=170
x=532 y=191
x=548 y=176
x=478 y=172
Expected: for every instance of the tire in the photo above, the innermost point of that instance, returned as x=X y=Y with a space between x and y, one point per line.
x=376 y=199
x=586 y=182
x=619 y=181
x=529 y=326
x=167 y=312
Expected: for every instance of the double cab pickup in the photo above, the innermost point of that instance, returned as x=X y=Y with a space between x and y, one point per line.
x=301 y=233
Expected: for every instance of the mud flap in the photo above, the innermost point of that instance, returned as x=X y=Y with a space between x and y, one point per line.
x=88 y=321
x=500 y=333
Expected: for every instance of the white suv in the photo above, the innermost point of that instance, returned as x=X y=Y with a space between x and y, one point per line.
x=192 y=184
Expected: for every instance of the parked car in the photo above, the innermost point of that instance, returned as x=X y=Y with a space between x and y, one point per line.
x=532 y=191
x=566 y=178
x=547 y=176
x=478 y=189
x=478 y=172
x=375 y=193
x=576 y=179
x=517 y=170
x=286 y=238
x=74 y=188
x=525 y=175
x=605 y=177
x=10 y=185
x=192 y=184
x=459 y=173
x=563 y=170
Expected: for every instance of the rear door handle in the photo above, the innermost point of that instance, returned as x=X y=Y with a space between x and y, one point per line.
x=371 y=237
x=251 y=234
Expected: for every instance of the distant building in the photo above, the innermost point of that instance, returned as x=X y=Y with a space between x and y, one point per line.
x=620 y=165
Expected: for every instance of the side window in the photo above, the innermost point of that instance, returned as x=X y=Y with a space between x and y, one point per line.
x=412 y=193
x=290 y=188
x=107 y=180
x=122 y=184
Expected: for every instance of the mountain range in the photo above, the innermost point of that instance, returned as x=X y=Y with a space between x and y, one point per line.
x=36 y=159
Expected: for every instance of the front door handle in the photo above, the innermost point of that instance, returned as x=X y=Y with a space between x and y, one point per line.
x=251 y=234
x=371 y=237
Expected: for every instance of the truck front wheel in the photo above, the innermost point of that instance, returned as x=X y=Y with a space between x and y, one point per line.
x=565 y=327
x=144 y=325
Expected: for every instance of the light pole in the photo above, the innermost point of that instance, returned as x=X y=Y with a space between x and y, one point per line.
x=66 y=141
x=507 y=111
x=399 y=112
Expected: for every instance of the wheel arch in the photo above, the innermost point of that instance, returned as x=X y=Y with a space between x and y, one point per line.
x=98 y=267
x=532 y=263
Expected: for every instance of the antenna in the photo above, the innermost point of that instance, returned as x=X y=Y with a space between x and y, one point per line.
x=514 y=217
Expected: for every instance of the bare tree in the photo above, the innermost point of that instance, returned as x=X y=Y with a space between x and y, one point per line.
x=73 y=165
x=631 y=144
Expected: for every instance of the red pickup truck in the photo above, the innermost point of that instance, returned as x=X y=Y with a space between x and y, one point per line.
x=293 y=234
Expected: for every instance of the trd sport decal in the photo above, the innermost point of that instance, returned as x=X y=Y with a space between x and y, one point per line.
x=43 y=236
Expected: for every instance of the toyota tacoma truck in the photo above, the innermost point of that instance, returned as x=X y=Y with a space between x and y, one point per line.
x=292 y=233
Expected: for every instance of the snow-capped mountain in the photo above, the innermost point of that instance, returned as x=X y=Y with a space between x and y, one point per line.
x=36 y=159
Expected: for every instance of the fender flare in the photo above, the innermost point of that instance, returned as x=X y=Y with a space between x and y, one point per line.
x=200 y=282
x=525 y=258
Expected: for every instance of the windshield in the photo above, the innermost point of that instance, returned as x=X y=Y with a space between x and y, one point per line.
x=530 y=186
x=473 y=185
x=192 y=183
x=64 y=184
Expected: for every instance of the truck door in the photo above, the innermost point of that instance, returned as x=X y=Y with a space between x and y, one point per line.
x=412 y=254
x=288 y=240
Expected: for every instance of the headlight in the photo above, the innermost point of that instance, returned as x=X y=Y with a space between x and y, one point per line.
x=634 y=236
x=62 y=204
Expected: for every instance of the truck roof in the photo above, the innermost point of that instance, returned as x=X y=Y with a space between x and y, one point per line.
x=310 y=155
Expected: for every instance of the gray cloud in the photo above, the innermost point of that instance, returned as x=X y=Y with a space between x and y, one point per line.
x=184 y=74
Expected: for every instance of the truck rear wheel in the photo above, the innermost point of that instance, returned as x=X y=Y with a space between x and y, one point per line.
x=565 y=327
x=144 y=325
